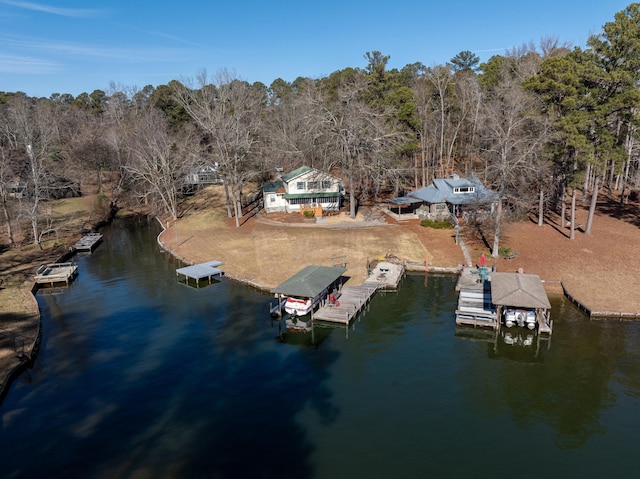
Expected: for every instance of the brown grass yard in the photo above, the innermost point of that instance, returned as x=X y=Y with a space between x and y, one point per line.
x=602 y=270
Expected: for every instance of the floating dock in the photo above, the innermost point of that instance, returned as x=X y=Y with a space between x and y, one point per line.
x=350 y=302
x=56 y=273
x=208 y=270
x=385 y=276
x=88 y=242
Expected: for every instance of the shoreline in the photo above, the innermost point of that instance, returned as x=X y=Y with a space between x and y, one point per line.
x=13 y=362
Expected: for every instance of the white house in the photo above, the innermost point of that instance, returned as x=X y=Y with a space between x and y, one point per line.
x=302 y=189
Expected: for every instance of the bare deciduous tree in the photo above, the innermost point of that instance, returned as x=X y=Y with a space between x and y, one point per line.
x=33 y=129
x=229 y=113
x=513 y=139
x=159 y=160
x=359 y=135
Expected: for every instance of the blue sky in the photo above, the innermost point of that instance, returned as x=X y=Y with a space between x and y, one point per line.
x=75 y=46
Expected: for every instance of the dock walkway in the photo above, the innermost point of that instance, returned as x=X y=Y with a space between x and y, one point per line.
x=351 y=301
x=476 y=309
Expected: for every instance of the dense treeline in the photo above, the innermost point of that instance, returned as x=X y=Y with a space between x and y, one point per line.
x=536 y=124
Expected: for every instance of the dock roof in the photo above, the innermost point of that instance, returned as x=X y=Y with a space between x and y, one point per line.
x=201 y=270
x=518 y=290
x=310 y=281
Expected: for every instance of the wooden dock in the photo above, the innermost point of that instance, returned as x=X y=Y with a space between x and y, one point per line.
x=56 y=273
x=351 y=301
x=476 y=309
x=385 y=276
x=545 y=324
x=88 y=242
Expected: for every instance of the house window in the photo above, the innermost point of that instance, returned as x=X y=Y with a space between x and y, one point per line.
x=440 y=206
x=326 y=184
x=312 y=185
x=272 y=198
x=464 y=189
x=300 y=185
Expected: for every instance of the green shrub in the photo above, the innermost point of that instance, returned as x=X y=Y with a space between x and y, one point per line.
x=308 y=213
x=505 y=251
x=436 y=224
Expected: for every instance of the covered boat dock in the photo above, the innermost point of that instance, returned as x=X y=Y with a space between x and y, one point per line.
x=198 y=272
x=312 y=282
x=522 y=291
x=485 y=296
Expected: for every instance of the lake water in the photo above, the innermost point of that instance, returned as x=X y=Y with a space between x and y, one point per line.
x=139 y=376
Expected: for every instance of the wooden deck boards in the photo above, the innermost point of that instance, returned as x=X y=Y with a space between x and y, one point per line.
x=351 y=301
x=385 y=276
x=88 y=242
x=56 y=273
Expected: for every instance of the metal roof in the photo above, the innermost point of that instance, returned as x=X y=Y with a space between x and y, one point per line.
x=442 y=191
x=201 y=270
x=518 y=290
x=481 y=193
x=295 y=173
x=310 y=281
x=429 y=194
x=404 y=200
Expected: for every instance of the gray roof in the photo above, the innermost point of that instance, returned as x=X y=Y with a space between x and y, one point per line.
x=310 y=281
x=201 y=270
x=429 y=194
x=404 y=200
x=442 y=191
x=480 y=195
x=518 y=290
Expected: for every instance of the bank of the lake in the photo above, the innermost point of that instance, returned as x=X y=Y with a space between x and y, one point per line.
x=141 y=376
x=594 y=268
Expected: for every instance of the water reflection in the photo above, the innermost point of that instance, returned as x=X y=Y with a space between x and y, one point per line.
x=140 y=376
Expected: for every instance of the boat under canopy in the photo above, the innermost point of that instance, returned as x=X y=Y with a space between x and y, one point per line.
x=310 y=281
x=306 y=289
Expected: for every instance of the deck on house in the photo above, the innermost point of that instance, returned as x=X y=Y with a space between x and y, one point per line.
x=208 y=270
x=88 y=242
x=56 y=273
x=351 y=301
